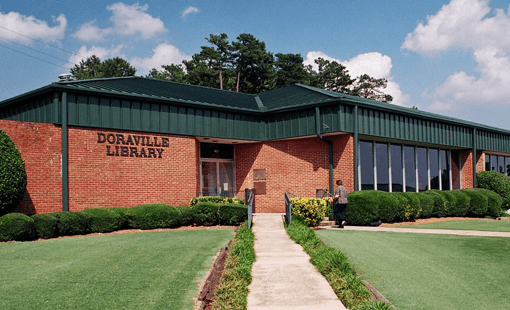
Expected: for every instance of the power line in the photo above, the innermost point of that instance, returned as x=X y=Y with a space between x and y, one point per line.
x=37 y=50
x=34 y=57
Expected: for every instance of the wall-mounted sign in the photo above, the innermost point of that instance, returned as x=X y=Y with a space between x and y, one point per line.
x=133 y=145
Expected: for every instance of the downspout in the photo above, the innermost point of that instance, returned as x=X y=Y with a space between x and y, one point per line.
x=355 y=131
x=474 y=157
x=330 y=144
x=65 y=155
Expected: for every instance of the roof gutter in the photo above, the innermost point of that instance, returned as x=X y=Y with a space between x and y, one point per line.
x=330 y=145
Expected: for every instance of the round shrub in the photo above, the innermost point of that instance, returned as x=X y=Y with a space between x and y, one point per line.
x=186 y=214
x=232 y=214
x=496 y=182
x=439 y=203
x=401 y=207
x=312 y=210
x=387 y=208
x=103 y=220
x=16 y=226
x=461 y=207
x=412 y=207
x=45 y=225
x=362 y=207
x=494 y=202
x=451 y=201
x=73 y=223
x=478 y=204
x=426 y=205
x=153 y=216
x=13 y=177
x=205 y=213
x=123 y=216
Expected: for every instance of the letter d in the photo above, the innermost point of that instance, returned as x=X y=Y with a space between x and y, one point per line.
x=101 y=137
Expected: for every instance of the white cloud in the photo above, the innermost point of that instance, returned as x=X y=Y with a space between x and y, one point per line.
x=467 y=24
x=128 y=20
x=374 y=64
x=90 y=32
x=103 y=53
x=163 y=54
x=31 y=27
x=133 y=19
x=190 y=10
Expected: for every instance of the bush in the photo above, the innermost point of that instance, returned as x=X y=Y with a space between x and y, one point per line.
x=232 y=214
x=388 y=205
x=362 y=207
x=494 y=202
x=451 y=201
x=123 y=217
x=73 y=223
x=215 y=199
x=153 y=216
x=478 y=203
x=45 y=225
x=426 y=205
x=496 y=182
x=13 y=177
x=439 y=203
x=16 y=226
x=186 y=214
x=312 y=210
x=103 y=220
x=412 y=208
x=461 y=207
x=400 y=207
x=205 y=213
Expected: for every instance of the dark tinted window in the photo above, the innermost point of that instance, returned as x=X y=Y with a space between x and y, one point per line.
x=396 y=169
x=383 y=179
x=434 y=169
x=410 y=169
x=367 y=165
x=423 y=174
x=213 y=150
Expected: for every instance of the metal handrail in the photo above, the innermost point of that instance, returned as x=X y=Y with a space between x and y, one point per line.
x=249 y=203
x=288 y=211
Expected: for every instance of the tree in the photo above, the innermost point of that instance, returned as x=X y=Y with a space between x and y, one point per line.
x=13 y=177
x=368 y=87
x=174 y=73
x=94 y=68
x=289 y=69
x=332 y=76
x=219 y=56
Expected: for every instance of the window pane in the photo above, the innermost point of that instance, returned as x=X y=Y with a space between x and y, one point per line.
x=423 y=175
x=383 y=179
x=487 y=162
x=410 y=170
x=396 y=168
x=501 y=164
x=494 y=163
x=508 y=166
x=209 y=179
x=434 y=169
x=367 y=165
x=445 y=170
x=226 y=179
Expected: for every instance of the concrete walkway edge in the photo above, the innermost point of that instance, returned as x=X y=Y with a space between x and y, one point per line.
x=476 y=233
x=283 y=277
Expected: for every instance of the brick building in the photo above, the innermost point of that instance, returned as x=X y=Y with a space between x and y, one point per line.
x=129 y=141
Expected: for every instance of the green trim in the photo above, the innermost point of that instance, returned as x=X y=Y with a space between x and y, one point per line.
x=318 y=126
x=474 y=157
x=65 y=155
x=356 y=146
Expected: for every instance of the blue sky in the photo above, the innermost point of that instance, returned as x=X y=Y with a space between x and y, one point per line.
x=447 y=57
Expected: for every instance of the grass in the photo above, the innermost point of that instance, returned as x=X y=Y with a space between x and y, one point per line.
x=151 y=270
x=232 y=292
x=484 y=225
x=422 y=271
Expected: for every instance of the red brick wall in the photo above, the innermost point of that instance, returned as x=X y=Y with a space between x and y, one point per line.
x=466 y=163
x=299 y=165
x=40 y=147
x=99 y=180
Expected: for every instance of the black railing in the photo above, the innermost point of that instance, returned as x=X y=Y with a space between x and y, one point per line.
x=249 y=198
x=288 y=211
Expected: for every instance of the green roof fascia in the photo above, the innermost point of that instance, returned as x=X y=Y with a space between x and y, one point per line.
x=32 y=93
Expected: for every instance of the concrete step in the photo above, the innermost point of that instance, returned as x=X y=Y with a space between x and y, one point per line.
x=327 y=223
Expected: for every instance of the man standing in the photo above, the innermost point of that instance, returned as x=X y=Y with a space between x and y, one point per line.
x=340 y=203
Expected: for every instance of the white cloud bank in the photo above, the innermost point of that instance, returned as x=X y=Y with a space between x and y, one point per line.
x=374 y=64
x=103 y=53
x=163 y=54
x=190 y=10
x=466 y=24
x=128 y=20
x=29 y=26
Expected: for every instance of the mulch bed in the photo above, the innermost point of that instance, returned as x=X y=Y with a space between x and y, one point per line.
x=433 y=220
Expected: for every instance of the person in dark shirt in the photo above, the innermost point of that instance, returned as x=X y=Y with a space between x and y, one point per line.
x=340 y=203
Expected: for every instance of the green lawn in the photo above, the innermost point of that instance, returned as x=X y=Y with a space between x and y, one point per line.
x=485 y=225
x=422 y=271
x=151 y=270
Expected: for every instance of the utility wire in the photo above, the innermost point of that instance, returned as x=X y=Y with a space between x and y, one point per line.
x=67 y=62
x=34 y=57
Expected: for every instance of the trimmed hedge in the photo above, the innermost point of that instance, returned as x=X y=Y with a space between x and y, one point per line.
x=494 y=202
x=496 y=182
x=312 y=210
x=151 y=216
x=13 y=177
x=232 y=214
x=362 y=208
x=46 y=225
x=205 y=214
x=478 y=204
x=123 y=217
x=439 y=203
x=73 y=223
x=16 y=226
x=103 y=220
x=215 y=199
x=461 y=208
x=186 y=214
x=413 y=207
x=451 y=202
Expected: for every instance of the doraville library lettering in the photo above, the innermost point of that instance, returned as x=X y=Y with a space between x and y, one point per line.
x=129 y=141
x=132 y=145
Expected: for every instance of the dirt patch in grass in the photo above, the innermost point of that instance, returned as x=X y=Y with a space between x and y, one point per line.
x=434 y=220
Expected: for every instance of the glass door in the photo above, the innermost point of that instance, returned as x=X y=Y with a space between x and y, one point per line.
x=217 y=178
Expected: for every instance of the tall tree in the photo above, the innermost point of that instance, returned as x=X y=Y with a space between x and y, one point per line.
x=171 y=72
x=94 y=68
x=332 y=76
x=368 y=87
x=289 y=69
x=219 y=56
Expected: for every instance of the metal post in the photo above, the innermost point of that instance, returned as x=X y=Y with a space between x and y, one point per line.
x=474 y=157
x=249 y=195
x=355 y=151
x=65 y=155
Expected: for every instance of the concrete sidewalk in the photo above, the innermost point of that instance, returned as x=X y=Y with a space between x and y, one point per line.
x=476 y=233
x=283 y=277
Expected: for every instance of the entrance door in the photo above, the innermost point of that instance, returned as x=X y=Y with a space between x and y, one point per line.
x=217 y=178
